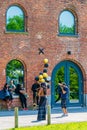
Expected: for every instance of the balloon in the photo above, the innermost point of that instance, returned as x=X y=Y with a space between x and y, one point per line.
x=45 y=75
x=40 y=73
x=45 y=65
x=41 y=80
x=36 y=78
x=40 y=76
x=45 y=70
x=45 y=61
x=48 y=79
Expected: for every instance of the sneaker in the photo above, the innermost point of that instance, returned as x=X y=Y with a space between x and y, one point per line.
x=66 y=114
x=62 y=115
x=25 y=108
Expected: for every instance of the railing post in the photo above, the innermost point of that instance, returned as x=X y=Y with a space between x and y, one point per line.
x=48 y=115
x=16 y=117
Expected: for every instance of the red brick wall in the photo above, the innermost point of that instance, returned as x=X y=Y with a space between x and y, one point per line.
x=42 y=26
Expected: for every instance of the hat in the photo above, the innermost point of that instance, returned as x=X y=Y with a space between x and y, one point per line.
x=63 y=83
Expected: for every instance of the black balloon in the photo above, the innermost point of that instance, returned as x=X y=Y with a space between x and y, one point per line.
x=45 y=70
x=37 y=78
x=46 y=65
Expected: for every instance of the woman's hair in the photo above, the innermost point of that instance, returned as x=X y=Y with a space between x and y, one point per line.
x=43 y=85
x=18 y=87
x=5 y=85
x=4 y=88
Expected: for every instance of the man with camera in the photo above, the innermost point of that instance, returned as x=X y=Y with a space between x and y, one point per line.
x=64 y=98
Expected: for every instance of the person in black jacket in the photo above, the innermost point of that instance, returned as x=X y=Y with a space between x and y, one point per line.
x=21 y=92
x=35 y=89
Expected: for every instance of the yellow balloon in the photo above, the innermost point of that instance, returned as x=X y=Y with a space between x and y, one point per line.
x=45 y=61
x=41 y=80
x=40 y=76
x=45 y=75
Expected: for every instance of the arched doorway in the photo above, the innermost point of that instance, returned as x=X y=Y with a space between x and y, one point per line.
x=15 y=71
x=69 y=72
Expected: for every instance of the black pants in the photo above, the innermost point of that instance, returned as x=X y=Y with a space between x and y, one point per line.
x=23 y=101
x=35 y=98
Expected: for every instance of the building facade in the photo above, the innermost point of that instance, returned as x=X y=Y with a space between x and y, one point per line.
x=52 y=29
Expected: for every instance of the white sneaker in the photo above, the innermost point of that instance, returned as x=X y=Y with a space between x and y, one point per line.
x=66 y=114
x=62 y=115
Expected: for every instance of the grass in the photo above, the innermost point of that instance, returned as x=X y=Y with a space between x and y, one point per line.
x=65 y=126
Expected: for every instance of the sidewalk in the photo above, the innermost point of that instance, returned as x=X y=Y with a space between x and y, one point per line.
x=29 y=118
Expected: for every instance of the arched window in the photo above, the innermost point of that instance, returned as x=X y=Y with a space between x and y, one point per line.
x=67 y=23
x=15 y=19
x=15 y=71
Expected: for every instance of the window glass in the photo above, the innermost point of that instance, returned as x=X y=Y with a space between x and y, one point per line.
x=67 y=23
x=59 y=77
x=15 y=71
x=74 y=85
x=15 y=19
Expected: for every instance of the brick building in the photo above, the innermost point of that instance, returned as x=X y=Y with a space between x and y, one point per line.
x=59 y=28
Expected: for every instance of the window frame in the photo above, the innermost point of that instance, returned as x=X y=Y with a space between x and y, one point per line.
x=75 y=34
x=24 y=20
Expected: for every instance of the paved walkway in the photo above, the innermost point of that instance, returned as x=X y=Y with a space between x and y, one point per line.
x=29 y=118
